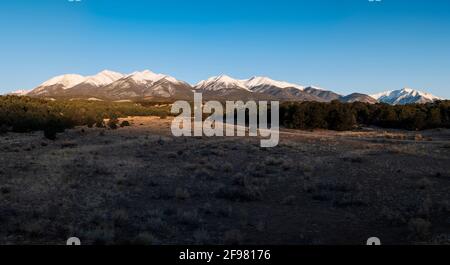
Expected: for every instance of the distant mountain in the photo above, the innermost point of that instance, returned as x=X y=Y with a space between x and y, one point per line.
x=222 y=82
x=109 y=85
x=254 y=88
x=325 y=95
x=287 y=94
x=261 y=84
x=19 y=93
x=405 y=96
x=146 y=85
x=224 y=87
x=358 y=97
x=56 y=85
x=279 y=89
x=92 y=86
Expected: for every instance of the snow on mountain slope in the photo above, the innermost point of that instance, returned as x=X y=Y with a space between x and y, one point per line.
x=57 y=85
x=216 y=83
x=261 y=82
x=404 y=96
x=254 y=84
x=67 y=81
x=19 y=92
x=147 y=84
x=148 y=76
x=103 y=78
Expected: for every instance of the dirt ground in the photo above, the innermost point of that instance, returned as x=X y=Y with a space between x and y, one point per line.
x=140 y=185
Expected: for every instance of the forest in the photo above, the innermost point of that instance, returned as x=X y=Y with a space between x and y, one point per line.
x=347 y=116
x=25 y=114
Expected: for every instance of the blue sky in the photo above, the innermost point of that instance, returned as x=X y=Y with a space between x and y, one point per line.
x=342 y=45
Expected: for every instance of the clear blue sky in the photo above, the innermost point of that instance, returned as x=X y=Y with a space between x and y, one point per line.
x=342 y=45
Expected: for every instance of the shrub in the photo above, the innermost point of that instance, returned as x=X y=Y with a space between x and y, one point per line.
x=50 y=133
x=424 y=183
x=112 y=123
x=100 y=123
x=227 y=167
x=125 y=124
x=90 y=121
x=5 y=190
x=182 y=194
x=3 y=129
x=420 y=228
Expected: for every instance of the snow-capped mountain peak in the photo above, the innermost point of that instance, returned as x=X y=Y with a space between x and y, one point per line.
x=221 y=82
x=225 y=79
x=67 y=81
x=259 y=81
x=103 y=78
x=149 y=76
x=404 y=96
x=147 y=84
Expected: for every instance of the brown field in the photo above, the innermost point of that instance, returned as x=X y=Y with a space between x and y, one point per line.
x=140 y=185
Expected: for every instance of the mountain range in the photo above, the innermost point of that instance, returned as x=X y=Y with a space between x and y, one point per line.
x=146 y=85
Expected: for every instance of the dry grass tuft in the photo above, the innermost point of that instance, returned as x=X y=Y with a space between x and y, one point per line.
x=420 y=228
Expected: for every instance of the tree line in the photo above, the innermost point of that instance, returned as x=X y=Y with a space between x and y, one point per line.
x=24 y=114
x=347 y=116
